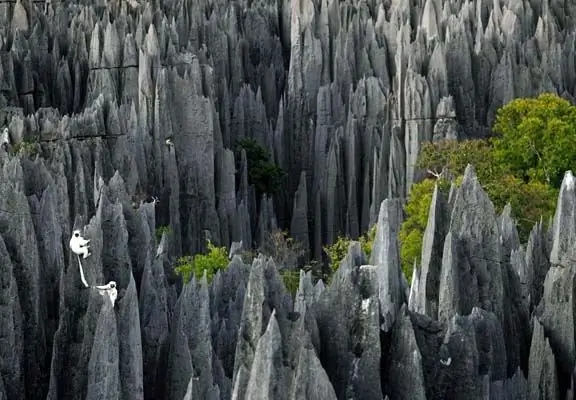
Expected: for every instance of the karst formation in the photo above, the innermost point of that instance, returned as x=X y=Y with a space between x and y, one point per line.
x=121 y=117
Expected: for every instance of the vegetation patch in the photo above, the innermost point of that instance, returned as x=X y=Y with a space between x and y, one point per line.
x=161 y=230
x=523 y=164
x=215 y=260
x=266 y=176
x=339 y=249
x=27 y=148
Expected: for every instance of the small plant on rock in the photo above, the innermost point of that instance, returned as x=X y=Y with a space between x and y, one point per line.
x=339 y=249
x=285 y=250
x=27 y=148
x=160 y=231
x=291 y=279
x=216 y=259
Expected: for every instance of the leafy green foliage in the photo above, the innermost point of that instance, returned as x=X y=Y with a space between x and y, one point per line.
x=339 y=249
x=27 y=148
x=530 y=201
x=160 y=231
x=455 y=155
x=291 y=279
x=500 y=173
x=216 y=259
x=412 y=230
x=536 y=138
x=266 y=176
x=367 y=241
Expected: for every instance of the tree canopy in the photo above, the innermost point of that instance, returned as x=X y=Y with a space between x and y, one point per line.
x=523 y=165
x=536 y=138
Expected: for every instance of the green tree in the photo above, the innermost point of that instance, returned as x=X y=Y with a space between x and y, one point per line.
x=455 y=155
x=216 y=259
x=266 y=176
x=536 y=138
x=530 y=199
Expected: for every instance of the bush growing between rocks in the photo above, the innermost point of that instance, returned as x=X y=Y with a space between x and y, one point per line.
x=26 y=148
x=338 y=250
x=160 y=231
x=216 y=259
x=285 y=250
x=291 y=277
x=266 y=176
x=287 y=253
x=412 y=229
x=523 y=165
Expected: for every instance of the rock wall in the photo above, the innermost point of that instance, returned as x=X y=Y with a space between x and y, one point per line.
x=108 y=104
x=489 y=318
x=341 y=93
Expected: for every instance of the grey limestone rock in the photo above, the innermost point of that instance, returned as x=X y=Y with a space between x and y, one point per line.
x=108 y=102
x=542 y=372
x=537 y=262
x=385 y=256
x=432 y=253
x=12 y=370
x=349 y=324
x=190 y=354
x=556 y=314
x=103 y=367
x=154 y=319
x=476 y=242
x=446 y=126
x=266 y=380
x=405 y=375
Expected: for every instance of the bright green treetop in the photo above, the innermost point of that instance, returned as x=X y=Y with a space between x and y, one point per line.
x=536 y=138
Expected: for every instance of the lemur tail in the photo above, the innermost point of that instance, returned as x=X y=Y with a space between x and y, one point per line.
x=82 y=272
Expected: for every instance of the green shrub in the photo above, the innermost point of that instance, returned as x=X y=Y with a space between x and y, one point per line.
x=523 y=165
x=531 y=199
x=160 y=231
x=339 y=249
x=27 y=148
x=367 y=241
x=216 y=259
x=291 y=279
x=266 y=176
x=412 y=229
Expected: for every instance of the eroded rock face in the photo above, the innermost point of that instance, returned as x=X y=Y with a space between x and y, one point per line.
x=110 y=105
x=242 y=336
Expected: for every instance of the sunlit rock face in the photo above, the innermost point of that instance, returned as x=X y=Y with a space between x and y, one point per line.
x=122 y=119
